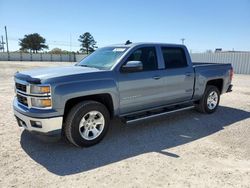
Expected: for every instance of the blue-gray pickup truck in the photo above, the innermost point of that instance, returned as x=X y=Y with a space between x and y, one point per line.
x=131 y=81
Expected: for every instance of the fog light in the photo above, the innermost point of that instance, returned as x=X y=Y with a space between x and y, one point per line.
x=36 y=124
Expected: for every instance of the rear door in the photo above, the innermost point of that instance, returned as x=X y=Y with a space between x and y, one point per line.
x=178 y=75
x=143 y=89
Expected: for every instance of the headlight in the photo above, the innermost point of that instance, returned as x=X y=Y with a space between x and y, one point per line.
x=41 y=103
x=34 y=89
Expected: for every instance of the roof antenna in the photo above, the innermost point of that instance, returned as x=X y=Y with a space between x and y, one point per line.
x=128 y=42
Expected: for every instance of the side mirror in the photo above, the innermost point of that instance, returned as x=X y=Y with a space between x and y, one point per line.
x=132 y=66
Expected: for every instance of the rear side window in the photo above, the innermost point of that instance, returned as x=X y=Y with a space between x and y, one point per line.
x=174 y=57
x=147 y=56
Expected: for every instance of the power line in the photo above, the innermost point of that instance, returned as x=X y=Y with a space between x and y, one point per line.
x=62 y=43
x=50 y=41
x=53 y=42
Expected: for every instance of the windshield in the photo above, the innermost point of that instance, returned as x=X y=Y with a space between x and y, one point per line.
x=103 y=58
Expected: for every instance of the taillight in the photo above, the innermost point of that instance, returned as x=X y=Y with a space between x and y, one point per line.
x=231 y=74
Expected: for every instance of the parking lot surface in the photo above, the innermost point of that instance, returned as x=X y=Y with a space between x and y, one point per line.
x=186 y=149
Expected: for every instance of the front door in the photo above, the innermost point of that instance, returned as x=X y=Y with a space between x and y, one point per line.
x=143 y=89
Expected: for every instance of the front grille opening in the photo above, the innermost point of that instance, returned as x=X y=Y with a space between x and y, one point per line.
x=23 y=100
x=21 y=87
x=20 y=122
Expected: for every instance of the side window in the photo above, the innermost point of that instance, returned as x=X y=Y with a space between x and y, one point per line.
x=147 y=56
x=174 y=57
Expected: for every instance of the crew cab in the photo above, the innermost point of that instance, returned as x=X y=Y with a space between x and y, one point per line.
x=131 y=81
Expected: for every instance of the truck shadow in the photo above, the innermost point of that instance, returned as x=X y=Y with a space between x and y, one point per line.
x=123 y=142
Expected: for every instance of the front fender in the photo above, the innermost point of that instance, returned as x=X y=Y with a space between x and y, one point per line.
x=66 y=91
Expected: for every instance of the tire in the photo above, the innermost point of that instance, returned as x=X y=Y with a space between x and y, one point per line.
x=87 y=123
x=208 y=103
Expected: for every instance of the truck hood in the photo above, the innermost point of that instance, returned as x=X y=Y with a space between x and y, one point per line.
x=40 y=74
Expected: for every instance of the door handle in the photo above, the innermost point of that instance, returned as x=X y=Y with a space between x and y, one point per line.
x=156 y=77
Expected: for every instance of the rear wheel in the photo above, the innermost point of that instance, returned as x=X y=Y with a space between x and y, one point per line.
x=209 y=101
x=87 y=123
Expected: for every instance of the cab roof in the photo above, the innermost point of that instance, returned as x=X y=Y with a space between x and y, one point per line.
x=145 y=44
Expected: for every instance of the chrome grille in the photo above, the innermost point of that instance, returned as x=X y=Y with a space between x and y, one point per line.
x=24 y=95
x=21 y=87
x=23 y=100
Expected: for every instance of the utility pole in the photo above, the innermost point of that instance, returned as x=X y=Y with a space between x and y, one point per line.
x=2 y=43
x=7 y=45
x=70 y=42
x=182 y=40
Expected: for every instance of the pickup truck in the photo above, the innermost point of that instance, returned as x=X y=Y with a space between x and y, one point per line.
x=133 y=82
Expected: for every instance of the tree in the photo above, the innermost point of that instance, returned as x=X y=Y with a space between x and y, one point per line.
x=87 y=42
x=59 y=51
x=33 y=42
x=56 y=51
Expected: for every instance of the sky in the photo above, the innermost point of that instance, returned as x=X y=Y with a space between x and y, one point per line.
x=205 y=24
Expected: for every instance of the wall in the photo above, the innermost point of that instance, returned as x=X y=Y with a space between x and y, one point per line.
x=239 y=60
x=79 y=57
x=16 y=56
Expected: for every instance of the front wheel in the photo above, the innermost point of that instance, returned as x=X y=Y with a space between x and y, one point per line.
x=209 y=101
x=87 y=123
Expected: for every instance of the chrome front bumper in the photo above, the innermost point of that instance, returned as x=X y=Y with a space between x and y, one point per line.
x=46 y=126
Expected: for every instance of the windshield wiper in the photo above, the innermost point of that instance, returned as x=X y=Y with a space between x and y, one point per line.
x=89 y=66
x=84 y=65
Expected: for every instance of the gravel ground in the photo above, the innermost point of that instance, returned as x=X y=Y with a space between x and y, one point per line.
x=187 y=149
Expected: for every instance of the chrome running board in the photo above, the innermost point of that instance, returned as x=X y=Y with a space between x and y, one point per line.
x=130 y=120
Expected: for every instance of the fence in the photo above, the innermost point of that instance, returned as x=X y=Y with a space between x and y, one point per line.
x=16 y=56
x=79 y=57
x=239 y=60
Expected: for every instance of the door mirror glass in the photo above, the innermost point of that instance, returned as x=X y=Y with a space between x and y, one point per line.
x=132 y=66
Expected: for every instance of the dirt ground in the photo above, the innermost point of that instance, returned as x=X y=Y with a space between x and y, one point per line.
x=187 y=149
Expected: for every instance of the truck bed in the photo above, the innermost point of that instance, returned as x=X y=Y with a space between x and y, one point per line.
x=211 y=71
x=196 y=64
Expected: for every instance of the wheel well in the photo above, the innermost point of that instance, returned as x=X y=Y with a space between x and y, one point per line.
x=218 y=83
x=105 y=99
